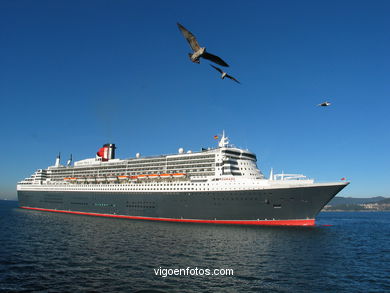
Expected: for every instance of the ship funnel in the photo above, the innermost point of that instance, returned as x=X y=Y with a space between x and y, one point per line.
x=107 y=152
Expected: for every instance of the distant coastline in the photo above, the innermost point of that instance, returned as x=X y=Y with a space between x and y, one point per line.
x=354 y=204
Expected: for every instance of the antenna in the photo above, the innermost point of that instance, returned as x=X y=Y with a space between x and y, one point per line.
x=58 y=159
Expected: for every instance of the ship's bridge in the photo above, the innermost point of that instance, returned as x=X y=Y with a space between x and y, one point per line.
x=232 y=161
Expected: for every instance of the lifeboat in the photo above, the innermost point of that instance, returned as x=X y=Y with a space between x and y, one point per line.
x=153 y=176
x=179 y=175
x=165 y=176
x=80 y=179
x=142 y=177
x=101 y=179
x=123 y=177
x=91 y=179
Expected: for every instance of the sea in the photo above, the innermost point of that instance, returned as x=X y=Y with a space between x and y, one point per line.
x=53 y=252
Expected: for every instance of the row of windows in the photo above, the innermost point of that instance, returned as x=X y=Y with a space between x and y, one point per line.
x=190 y=162
x=234 y=153
x=191 y=158
x=231 y=152
x=231 y=162
x=104 y=205
x=189 y=166
x=172 y=161
x=253 y=157
x=141 y=206
x=143 y=189
x=107 y=171
x=199 y=172
x=238 y=199
x=145 y=160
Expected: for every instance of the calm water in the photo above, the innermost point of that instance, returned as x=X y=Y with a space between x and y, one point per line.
x=42 y=251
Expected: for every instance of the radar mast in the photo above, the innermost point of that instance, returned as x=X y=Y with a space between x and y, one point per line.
x=224 y=142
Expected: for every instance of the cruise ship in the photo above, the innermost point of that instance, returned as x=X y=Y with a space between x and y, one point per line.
x=221 y=185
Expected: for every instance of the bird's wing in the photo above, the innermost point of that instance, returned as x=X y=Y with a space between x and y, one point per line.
x=214 y=58
x=231 y=77
x=216 y=68
x=189 y=37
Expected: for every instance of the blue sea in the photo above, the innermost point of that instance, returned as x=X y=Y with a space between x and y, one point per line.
x=52 y=252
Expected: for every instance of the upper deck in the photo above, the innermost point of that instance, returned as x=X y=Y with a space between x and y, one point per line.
x=223 y=161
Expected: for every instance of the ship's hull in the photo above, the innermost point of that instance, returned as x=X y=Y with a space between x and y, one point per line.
x=278 y=206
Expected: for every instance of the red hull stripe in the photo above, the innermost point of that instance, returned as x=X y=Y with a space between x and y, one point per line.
x=307 y=222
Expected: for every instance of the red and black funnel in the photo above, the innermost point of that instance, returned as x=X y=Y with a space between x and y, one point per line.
x=107 y=152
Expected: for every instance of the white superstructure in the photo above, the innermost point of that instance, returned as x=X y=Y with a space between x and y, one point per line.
x=223 y=168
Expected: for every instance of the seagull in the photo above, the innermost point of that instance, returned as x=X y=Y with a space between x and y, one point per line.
x=324 y=104
x=199 y=51
x=224 y=74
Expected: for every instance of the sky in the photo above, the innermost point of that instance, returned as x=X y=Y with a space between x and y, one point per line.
x=75 y=75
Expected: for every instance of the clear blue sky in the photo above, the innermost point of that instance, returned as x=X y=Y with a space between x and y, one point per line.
x=77 y=74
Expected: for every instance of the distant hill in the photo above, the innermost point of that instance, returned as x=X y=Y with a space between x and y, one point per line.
x=378 y=203
x=384 y=201
x=355 y=200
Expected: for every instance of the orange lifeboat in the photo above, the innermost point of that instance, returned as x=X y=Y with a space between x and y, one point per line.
x=179 y=175
x=165 y=176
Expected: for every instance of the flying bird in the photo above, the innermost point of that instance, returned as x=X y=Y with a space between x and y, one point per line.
x=224 y=74
x=324 y=104
x=198 y=50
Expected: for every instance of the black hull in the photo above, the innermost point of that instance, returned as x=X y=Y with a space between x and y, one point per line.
x=284 y=204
